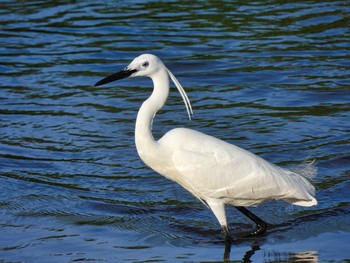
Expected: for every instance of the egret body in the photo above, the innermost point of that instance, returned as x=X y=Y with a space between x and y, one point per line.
x=214 y=171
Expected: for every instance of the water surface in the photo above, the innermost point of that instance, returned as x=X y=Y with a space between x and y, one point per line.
x=271 y=77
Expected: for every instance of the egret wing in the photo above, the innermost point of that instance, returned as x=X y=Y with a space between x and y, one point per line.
x=207 y=176
x=211 y=168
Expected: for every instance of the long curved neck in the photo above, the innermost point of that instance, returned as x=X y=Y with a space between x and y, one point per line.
x=143 y=131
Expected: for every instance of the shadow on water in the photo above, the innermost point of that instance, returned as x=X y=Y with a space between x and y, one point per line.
x=271 y=256
x=254 y=245
x=302 y=227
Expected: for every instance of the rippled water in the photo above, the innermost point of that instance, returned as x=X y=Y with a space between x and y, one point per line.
x=269 y=76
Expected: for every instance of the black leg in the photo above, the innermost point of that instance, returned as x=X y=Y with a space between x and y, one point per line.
x=226 y=233
x=228 y=241
x=261 y=225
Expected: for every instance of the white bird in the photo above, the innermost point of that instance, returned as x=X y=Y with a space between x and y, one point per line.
x=214 y=171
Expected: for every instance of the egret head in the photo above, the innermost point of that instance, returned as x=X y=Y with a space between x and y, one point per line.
x=147 y=65
x=143 y=65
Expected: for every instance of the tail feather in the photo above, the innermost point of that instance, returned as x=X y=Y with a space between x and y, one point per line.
x=307 y=170
x=306 y=203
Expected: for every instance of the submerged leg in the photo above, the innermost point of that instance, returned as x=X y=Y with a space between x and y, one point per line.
x=261 y=225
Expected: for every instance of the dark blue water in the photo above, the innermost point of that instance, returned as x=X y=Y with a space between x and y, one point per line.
x=269 y=76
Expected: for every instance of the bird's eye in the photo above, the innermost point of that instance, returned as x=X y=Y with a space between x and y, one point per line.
x=145 y=64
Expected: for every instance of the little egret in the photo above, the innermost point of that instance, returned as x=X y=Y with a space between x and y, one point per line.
x=214 y=171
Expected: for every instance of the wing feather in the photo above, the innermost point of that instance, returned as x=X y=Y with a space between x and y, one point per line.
x=209 y=167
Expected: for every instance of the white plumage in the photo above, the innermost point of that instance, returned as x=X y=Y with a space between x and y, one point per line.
x=214 y=171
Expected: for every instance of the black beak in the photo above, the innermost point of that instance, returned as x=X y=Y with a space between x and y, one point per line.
x=119 y=75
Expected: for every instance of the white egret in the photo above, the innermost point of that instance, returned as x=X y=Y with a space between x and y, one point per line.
x=214 y=171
